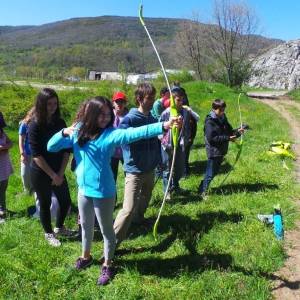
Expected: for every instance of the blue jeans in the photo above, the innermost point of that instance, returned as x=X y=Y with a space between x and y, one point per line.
x=212 y=169
x=167 y=156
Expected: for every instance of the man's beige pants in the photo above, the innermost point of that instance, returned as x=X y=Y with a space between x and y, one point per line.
x=137 y=195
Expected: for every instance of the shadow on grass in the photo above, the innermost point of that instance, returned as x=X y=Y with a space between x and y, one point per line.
x=184 y=228
x=189 y=198
x=171 y=267
x=30 y=210
x=199 y=167
x=198 y=263
x=189 y=231
x=234 y=188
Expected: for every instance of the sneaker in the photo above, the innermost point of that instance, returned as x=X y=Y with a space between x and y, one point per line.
x=204 y=196
x=2 y=220
x=168 y=197
x=267 y=219
x=82 y=263
x=63 y=231
x=52 y=240
x=107 y=274
x=2 y=213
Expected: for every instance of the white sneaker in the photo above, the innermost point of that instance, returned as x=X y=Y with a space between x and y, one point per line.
x=63 y=231
x=168 y=197
x=52 y=240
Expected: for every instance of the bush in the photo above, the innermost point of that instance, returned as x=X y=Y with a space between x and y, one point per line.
x=183 y=76
x=235 y=77
x=15 y=102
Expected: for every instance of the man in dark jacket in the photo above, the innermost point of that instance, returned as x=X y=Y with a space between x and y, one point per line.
x=218 y=133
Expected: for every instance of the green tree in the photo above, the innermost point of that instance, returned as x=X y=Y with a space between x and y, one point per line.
x=230 y=39
x=78 y=72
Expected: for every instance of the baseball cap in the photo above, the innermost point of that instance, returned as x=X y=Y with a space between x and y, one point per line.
x=119 y=96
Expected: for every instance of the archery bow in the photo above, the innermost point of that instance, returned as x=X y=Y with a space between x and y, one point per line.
x=239 y=144
x=173 y=113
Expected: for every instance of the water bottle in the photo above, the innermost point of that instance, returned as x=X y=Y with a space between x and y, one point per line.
x=278 y=225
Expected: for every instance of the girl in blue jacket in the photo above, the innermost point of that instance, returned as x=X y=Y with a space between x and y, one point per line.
x=94 y=140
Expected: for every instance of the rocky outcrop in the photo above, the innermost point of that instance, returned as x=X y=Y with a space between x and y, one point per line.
x=279 y=68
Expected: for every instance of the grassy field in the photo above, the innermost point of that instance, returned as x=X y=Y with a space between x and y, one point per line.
x=213 y=249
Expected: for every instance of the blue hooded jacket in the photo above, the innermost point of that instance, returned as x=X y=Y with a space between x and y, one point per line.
x=142 y=156
x=94 y=175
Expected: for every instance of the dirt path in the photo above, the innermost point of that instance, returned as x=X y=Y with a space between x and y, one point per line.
x=287 y=279
x=56 y=86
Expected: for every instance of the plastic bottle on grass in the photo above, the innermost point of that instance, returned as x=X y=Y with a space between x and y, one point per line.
x=278 y=224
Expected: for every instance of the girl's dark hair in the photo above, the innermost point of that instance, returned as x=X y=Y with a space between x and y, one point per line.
x=80 y=112
x=218 y=103
x=41 y=105
x=143 y=90
x=88 y=115
x=163 y=91
x=178 y=91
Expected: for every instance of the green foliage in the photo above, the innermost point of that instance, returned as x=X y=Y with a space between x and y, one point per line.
x=78 y=72
x=234 y=77
x=15 y=102
x=101 y=43
x=182 y=76
x=213 y=249
x=295 y=94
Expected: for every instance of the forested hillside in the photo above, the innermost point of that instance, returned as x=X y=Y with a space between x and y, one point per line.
x=107 y=43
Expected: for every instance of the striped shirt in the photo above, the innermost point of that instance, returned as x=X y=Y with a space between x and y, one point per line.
x=5 y=164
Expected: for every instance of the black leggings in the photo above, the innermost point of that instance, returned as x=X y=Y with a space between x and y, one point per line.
x=3 y=187
x=41 y=183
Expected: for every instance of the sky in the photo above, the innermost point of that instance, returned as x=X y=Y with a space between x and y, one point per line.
x=277 y=18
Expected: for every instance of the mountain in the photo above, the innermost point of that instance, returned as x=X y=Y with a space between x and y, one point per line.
x=107 y=43
x=279 y=68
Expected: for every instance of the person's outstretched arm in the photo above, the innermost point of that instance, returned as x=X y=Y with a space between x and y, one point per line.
x=122 y=137
x=61 y=140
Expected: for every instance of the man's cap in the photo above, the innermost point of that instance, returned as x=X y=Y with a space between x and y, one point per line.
x=119 y=96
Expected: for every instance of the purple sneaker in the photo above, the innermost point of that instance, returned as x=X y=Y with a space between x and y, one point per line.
x=106 y=276
x=82 y=263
